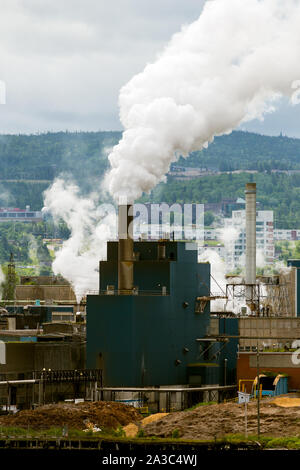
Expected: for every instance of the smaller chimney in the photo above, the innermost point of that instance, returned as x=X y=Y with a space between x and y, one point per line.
x=125 y=249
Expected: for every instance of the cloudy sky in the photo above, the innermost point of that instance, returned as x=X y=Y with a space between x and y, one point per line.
x=64 y=61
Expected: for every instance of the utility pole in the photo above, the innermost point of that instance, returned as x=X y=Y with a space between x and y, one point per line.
x=258 y=392
x=225 y=371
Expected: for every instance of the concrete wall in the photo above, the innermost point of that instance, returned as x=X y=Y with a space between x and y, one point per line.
x=19 y=358
x=22 y=357
x=274 y=328
x=43 y=280
x=59 y=356
x=48 y=293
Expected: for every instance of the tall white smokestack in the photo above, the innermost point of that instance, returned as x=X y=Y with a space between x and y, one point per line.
x=250 y=277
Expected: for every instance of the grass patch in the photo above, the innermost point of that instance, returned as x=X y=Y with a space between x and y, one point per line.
x=266 y=442
x=287 y=442
x=58 y=433
x=204 y=403
x=175 y=434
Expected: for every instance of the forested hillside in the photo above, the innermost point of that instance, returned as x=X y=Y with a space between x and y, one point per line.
x=248 y=151
x=30 y=162
x=278 y=192
x=44 y=156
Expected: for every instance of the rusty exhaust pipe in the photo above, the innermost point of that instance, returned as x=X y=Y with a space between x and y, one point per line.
x=125 y=249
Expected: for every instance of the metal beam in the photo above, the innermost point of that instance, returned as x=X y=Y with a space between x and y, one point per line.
x=163 y=390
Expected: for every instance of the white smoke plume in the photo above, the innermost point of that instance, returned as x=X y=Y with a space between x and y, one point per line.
x=91 y=225
x=228 y=67
x=261 y=262
x=228 y=236
x=218 y=283
x=218 y=280
x=260 y=258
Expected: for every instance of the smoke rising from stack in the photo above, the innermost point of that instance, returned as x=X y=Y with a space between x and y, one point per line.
x=228 y=67
x=91 y=225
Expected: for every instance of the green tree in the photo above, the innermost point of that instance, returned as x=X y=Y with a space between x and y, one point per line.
x=9 y=283
x=208 y=218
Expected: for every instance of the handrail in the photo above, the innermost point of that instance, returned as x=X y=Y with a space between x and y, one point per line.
x=170 y=389
x=128 y=292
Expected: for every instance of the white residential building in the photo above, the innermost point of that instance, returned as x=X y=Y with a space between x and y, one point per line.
x=286 y=235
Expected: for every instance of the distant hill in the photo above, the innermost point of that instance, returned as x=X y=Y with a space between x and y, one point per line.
x=247 y=151
x=44 y=156
x=29 y=163
x=278 y=192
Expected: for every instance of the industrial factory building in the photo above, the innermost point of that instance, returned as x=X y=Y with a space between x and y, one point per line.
x=149 y=325
x=151 y=335
x=39 y=365
x=42 y=346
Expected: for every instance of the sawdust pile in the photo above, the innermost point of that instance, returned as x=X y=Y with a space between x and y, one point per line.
x=152 y=418
x=132 y=429
x=215 y=421
x=286 y=402
x=105 y=415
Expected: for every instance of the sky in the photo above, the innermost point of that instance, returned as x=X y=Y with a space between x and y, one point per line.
x=63 y=62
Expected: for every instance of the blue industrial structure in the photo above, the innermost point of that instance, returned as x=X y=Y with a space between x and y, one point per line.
x=271 y=385
x=33 y=316
x=158 y=334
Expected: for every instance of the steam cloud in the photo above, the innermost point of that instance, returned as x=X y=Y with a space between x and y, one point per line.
x=91 y=226
x=228 y=67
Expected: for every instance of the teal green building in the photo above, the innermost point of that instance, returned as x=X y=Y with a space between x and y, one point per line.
x=153 y=336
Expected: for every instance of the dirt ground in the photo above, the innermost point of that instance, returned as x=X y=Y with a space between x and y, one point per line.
x=215 y=421
x=105 y=415
x=279 y=417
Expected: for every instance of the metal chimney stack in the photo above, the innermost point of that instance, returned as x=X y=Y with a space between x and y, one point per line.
x=250 y=277
x=125 y=249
